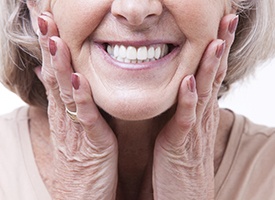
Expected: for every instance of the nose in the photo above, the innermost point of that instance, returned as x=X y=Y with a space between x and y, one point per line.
x=136 y=12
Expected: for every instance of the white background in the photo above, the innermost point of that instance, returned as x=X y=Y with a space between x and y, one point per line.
x=254 y=98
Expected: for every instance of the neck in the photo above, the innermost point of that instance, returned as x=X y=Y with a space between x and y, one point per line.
x=136 y=141
x=136 y=145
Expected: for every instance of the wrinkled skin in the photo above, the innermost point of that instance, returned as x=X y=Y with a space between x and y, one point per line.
x=87 y=153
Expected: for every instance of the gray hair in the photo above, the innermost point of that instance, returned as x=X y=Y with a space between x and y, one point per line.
x=20 y=52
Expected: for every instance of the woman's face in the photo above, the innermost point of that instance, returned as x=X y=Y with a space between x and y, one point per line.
x=135 y=53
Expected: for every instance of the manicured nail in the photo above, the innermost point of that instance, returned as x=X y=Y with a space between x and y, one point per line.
x=43 y=25
x=75 y=81
x=220 y=50
x=191 y=84
x=233 y=24
x=52 y=47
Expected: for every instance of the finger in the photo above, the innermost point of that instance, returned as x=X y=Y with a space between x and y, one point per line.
x=37 y=71
x=99 y=134
x=228 y=26
x=61 y=63
x=47 y=29
x=206 y=73
x=185 y=117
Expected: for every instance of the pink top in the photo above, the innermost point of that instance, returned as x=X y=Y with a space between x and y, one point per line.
x=247 y=171
x=19 y=175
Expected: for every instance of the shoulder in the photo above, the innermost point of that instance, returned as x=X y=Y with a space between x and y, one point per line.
x=10 y=124
x=255 y=141
x=253 y=135
x=16 y=156
x=18 y=114
x=253 y=129
x=249 y=162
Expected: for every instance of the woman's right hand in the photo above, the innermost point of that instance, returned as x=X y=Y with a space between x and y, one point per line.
x=85 y=151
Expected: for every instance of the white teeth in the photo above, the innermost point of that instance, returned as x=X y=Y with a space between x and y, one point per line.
x=151 y=52
x=157 y=53
x=132 y=54
x=116 y=51
x=142 y=53
x=122 y=52
x=110 y=50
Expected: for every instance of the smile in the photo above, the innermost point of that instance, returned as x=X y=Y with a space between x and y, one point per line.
x=142 y=54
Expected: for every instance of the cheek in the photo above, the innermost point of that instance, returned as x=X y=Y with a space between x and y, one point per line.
x=198 y=19
x=76 y=20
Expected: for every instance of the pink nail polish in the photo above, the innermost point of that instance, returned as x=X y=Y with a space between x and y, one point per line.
x=191 y=84
x=52 y=47
x=220 y=50
x=233 y=25
x=43 y=25
x=75 y=81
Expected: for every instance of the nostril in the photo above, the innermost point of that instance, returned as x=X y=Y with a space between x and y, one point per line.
x=135 y=12
x=132 y=18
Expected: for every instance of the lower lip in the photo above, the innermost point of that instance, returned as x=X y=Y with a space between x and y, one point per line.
x=138 y=66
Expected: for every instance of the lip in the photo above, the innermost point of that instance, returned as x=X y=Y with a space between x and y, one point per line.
x=138 y=66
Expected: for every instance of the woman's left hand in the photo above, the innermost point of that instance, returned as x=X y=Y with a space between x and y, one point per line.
x=183 y=166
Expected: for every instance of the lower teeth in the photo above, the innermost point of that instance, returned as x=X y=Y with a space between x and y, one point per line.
x=125 y=60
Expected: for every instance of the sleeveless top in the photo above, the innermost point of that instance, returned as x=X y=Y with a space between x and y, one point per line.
x=247 y=171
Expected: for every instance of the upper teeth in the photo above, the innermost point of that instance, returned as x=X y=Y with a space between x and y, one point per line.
x=141 y=54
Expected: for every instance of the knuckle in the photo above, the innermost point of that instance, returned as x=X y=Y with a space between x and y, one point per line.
x=89 y=120
x=80 y=100
x=185 y=123
x=210 y=69
x=49 y=79
x=220 y=77
x=204 y=97
x=189 y=103
x=66 y=96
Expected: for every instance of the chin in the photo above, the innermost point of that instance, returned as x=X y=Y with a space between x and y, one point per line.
x=134 y=110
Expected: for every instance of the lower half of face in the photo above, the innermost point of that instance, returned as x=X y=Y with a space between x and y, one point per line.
x=135 y=71
x=137 y=89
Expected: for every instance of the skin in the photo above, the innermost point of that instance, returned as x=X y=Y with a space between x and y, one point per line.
x=134 y=153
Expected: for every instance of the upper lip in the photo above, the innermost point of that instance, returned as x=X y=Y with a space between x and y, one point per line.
x=140 y=41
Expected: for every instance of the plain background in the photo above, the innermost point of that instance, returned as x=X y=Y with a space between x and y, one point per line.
x=254 y=98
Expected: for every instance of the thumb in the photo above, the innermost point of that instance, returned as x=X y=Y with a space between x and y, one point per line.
x=185 y=117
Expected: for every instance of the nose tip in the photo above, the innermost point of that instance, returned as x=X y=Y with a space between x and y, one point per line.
x=136 y=12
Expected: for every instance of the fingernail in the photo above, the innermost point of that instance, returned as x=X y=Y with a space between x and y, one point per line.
x=220 y=50
x=233 y=24
x=52 y=47
x=191 y=84
x=43 y=25
x=75 y=81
